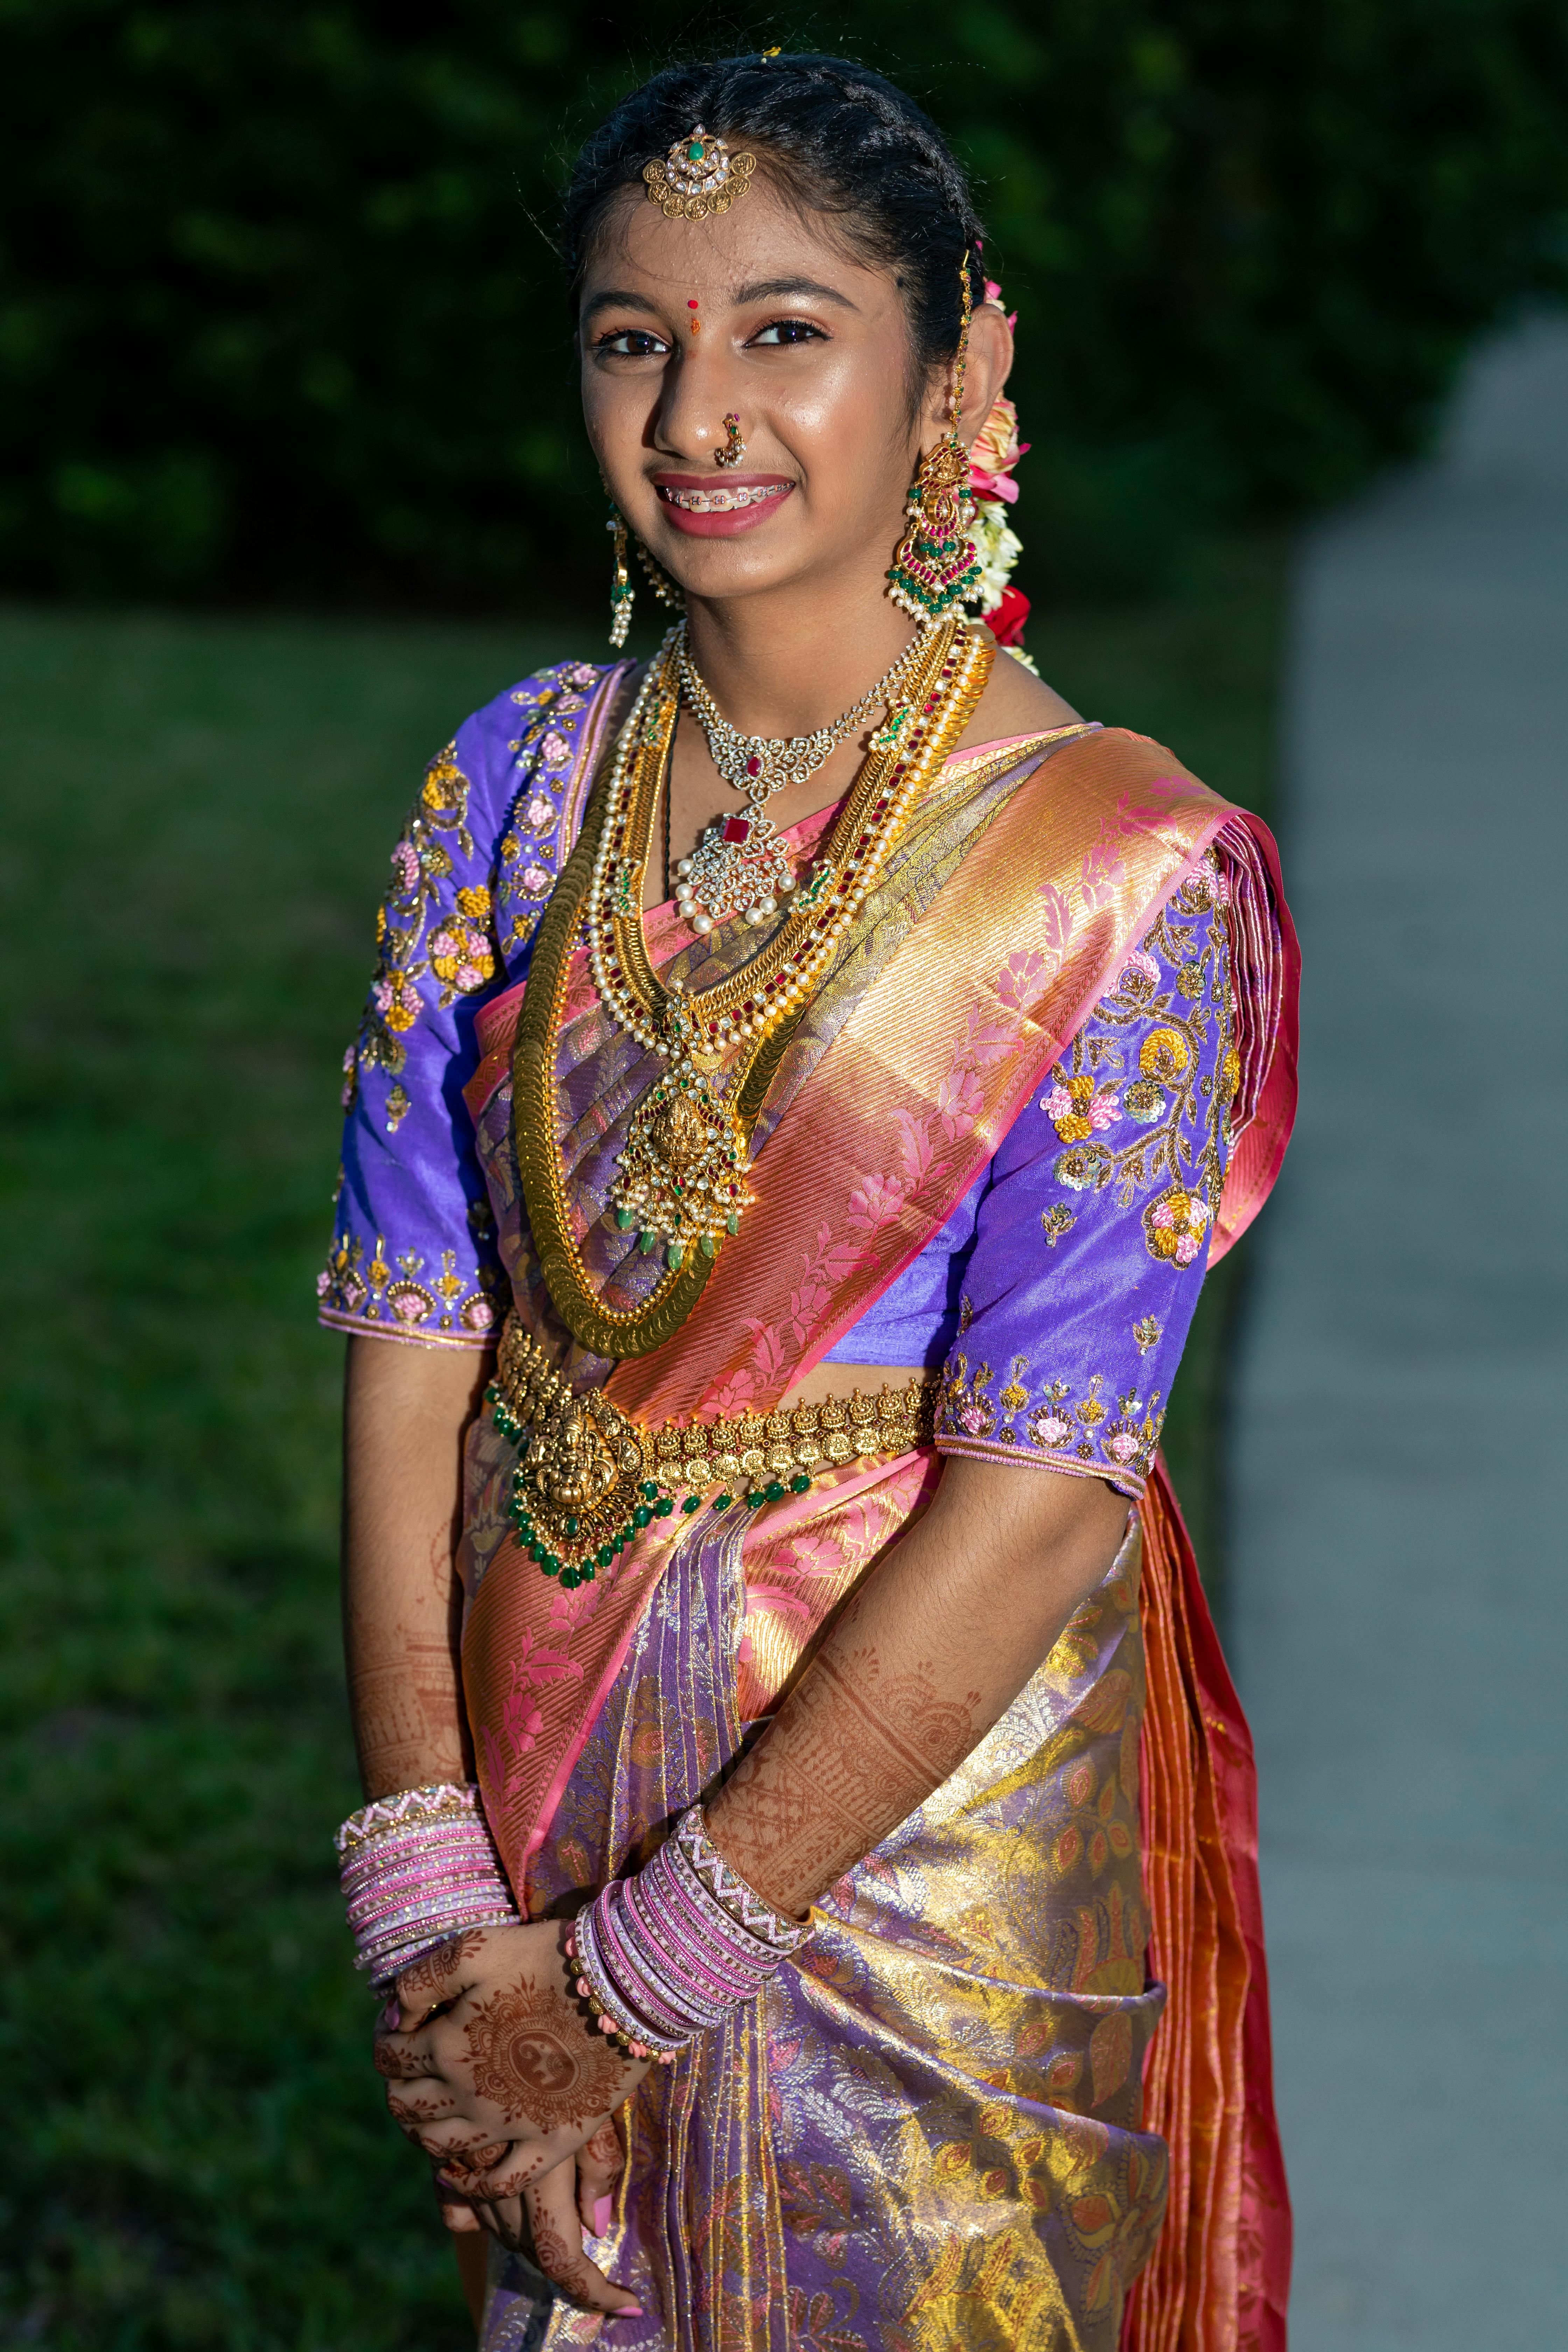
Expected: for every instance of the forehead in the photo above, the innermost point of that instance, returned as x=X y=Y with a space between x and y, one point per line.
x=762 y=237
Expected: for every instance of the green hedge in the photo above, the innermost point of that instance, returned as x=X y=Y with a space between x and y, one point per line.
x=277 y=320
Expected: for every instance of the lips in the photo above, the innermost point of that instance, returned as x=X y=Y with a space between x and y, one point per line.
x=705 y=509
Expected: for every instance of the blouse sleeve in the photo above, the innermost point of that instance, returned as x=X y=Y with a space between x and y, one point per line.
x=413 y=1253
x=1091 y=1235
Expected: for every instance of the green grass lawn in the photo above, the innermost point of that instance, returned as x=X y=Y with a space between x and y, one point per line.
x=198 y=817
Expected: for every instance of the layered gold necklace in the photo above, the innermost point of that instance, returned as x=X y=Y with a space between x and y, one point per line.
x=682 y=1182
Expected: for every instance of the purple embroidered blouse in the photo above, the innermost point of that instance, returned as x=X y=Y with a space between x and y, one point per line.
x=1057 y=1295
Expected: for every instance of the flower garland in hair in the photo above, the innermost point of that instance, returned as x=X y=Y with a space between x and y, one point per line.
x=996 y=451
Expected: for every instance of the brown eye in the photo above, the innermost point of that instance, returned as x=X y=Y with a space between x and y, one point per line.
x=634 y=343
x=789 y=330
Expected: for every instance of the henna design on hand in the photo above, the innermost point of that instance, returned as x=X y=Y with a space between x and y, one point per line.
x=400 y=2065
x=533 y=2057
x=566 y=2264
x=432 y=1973
x=463 y=2167
x=847 y=1758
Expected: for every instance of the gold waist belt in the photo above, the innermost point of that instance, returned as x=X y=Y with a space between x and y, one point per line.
x=588 y=1480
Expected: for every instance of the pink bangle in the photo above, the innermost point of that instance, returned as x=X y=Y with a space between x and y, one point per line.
x=419 y=1869
x=668 y=1955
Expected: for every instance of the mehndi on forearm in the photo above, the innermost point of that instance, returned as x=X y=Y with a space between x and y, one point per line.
x=919 y=1665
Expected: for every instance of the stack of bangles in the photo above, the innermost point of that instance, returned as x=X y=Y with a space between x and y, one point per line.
x=419 y=1869
x=667 y=1954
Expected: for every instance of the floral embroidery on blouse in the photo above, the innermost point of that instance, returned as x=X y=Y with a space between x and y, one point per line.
x=1138 y=1062
x=1136 y=1121
x=385 y=1288
x=416 y=1255
x=1075 y=1430
x=460 y=950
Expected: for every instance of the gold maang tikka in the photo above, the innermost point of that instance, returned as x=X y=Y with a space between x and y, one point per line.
x=698 y=176
x=936 y=564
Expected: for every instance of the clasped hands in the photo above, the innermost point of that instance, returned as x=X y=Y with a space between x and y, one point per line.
x=495 y=2068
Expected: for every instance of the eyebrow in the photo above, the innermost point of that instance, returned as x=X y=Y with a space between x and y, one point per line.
x=767 y=290
x=617 y=300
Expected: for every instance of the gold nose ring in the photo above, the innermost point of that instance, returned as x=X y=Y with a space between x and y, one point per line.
x=735 y=449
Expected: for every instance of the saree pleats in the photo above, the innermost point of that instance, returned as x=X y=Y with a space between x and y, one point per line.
x=927 y=2132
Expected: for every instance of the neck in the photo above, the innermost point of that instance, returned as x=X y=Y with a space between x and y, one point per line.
x=788 y=662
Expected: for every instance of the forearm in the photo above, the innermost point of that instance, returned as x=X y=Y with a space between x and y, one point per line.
x=924 y=1659
x=406 y=1410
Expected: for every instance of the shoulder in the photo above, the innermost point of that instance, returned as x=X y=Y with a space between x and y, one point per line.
x=526 y=739
x=533 y=723
x=1015 y=702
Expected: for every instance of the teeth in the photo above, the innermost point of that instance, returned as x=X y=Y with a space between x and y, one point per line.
x=722 y=501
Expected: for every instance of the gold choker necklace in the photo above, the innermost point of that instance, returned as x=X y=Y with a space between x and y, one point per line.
x=682 y=1182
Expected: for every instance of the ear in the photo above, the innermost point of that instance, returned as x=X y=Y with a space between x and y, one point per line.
x=990 y=365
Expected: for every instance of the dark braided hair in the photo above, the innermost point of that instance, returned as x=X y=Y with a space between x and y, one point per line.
x=838 y=140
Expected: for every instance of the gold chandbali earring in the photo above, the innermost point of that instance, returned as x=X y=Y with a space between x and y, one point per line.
x=937 y=564
x=621 y=590
x=734 y=452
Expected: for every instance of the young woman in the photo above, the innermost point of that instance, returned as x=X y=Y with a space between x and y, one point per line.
x=802 y=1768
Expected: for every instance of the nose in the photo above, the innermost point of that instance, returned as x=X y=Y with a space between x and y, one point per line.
x=697 y=392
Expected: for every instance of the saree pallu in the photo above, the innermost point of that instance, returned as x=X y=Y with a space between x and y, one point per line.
x=935 y=2128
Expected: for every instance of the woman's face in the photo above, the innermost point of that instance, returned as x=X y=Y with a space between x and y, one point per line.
x=753 y=313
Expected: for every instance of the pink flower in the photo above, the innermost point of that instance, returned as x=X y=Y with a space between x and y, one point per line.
x=554 y=750
x=384 y=996
x=995 y=452
x=476 y=1315
x=1141 y=960
x=875 y=1201
x=1015 y=981
x=1186 y=1249
x=581 y=674
x=1123 y=1448
x=1163 y=1215
x=1053 y=1431
x=407 y=1308
x=541 y=812
x=972 y=1419
x=1104 y=1109
x=1059 y=917
x=324 y=1283
x=536 y=881
x=406 y=865
x=1058 y=1104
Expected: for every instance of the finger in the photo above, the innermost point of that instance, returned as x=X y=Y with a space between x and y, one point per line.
x=599 y=2163
x=397 y=2060
x=551 y=2205
x=429 y=1986
x=462 y=2154
x=457 y=2213
x=414 y=2111
x=496 y=2172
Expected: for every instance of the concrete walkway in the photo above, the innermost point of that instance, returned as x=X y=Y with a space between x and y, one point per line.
x=1398 y=1564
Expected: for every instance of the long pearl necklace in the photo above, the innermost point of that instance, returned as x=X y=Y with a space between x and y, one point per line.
x=740 y=866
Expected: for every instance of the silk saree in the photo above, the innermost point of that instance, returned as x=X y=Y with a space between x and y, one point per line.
x=1014 y=2089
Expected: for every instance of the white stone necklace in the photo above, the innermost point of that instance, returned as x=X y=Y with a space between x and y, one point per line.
x=740 y=866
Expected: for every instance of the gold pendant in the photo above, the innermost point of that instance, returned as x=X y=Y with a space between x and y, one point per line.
x=680 y=1180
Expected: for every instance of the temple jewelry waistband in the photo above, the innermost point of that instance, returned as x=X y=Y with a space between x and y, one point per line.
x=589 y=1479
